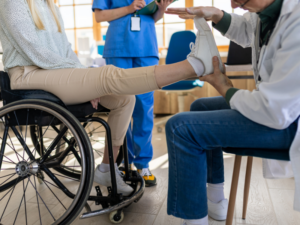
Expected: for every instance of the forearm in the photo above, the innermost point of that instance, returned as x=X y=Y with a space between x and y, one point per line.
x=158 y=15
x=111 y=14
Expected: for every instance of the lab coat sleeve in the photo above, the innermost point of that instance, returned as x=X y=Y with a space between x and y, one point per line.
x=242 y=29
x=277 y=103
x=17 y=19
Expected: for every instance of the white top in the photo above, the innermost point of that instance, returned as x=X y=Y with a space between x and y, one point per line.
x=276 y=103
x=25 y=45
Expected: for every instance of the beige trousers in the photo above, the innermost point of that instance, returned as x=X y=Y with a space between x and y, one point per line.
x=115 y=86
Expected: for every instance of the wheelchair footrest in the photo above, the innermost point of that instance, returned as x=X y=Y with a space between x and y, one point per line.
x=134 y=198
x=99 y=194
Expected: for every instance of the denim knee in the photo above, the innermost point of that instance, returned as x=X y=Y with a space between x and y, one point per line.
x=173 y=123
x=198 y=105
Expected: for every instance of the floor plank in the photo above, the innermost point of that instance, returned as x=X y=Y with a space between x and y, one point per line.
x=287 y=184
x=260 y=208
x=283 y=204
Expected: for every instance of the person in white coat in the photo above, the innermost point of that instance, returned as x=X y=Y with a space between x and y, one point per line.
x=264 y=118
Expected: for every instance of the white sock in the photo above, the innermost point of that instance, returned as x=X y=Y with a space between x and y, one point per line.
x=197 y=65
x=203 y=221
x=215 y=192
x=104 y=168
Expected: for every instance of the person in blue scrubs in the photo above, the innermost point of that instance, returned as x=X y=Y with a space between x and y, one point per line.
x=127 y=48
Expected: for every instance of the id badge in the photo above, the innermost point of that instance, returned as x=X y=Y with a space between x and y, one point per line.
x=135 y=23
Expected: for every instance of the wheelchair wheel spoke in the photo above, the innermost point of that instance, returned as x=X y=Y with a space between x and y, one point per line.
x=21 y=202
x=9 y=199
x=8 y=162
x=99 y=154
x=6 y=194
x=37 y=199
x=13 y=148
x=23 y=144
x=8 y=158
x=7 y=175
x=43 y=134
x=25 y=201
x=38 y=194
x=26 y=128
x=54 y=195
x=49 y=183
x=8 y=178
x=18 y=124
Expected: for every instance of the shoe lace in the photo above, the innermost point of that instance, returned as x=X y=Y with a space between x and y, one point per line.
x=193 y=49
x=193 y=46
x=146 y=172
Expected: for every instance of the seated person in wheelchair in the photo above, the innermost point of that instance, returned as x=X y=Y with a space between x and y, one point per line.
x=37 y=55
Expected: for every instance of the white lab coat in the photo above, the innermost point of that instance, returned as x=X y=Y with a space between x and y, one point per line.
x=276 y=103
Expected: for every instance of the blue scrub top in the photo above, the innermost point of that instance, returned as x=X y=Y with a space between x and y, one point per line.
x=120 y=40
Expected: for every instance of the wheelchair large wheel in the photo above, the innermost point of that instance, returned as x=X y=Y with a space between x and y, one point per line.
x=58 y=199
x=96 y=134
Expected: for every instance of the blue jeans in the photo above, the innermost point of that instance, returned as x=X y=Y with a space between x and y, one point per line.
x=139 y=135
x=195 y=140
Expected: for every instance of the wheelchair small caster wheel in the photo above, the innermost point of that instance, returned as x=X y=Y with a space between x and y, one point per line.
x=159 y=129
x=115 y=218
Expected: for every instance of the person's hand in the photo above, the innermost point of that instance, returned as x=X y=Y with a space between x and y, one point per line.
x=136 y=5
x=95 y=103
x=208 y=13
x=217 y=79
x=163 y=4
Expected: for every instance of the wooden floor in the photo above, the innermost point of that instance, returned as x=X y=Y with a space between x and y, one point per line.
x=270 y=201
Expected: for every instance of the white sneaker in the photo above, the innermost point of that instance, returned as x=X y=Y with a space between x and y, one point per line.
x=182 y=222
x=105 y=180
x=218 y=211
x=205 y=47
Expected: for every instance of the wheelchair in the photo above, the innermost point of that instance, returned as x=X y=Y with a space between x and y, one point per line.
x=47 y=157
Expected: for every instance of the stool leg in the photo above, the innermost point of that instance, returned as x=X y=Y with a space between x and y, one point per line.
x=247 y=185
x=233 y=190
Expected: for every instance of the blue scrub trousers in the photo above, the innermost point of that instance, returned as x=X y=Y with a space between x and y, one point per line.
x=139 y=135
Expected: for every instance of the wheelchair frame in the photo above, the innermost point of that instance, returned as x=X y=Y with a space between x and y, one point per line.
x=114 y=202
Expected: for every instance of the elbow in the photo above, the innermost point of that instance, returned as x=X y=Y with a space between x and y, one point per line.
x=98 y=16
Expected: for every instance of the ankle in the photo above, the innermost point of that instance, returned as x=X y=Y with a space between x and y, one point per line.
x=215 y=192
x=197 y=65
x=104 y=167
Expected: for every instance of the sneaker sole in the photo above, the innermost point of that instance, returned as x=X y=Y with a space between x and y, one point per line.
x=150 y=185
x=217 y=217
x=210 y=38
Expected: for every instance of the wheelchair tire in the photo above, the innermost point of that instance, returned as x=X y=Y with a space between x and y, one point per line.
x=60 y=199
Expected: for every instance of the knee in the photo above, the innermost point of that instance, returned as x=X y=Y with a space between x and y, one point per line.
x=174 y=122
x=199 y=104
x=129 y=101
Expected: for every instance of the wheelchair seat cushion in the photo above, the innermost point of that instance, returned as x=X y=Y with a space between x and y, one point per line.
x=9 y=96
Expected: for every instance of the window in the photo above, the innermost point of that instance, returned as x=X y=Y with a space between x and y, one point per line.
x=81 y=28
x=78 y=21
